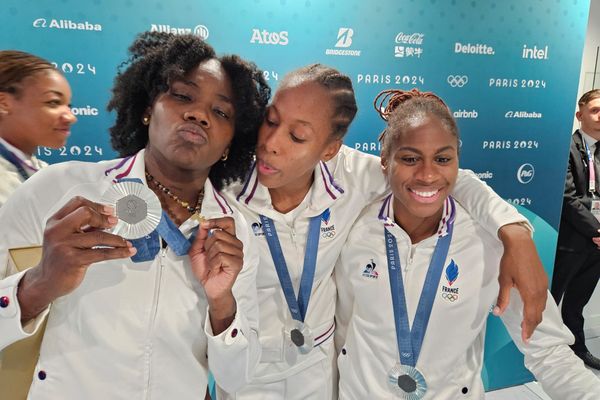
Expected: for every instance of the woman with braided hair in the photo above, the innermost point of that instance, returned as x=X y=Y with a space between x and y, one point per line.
x=416 y=330
x=34 y=111
x=145 y=317
x=301 y=199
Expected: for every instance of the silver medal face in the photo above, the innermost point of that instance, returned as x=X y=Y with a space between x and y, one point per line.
x=137 y=208
x=301 y=336
x=407 y=382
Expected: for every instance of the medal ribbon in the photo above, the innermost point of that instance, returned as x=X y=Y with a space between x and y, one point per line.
x=591 y=169
x=14 y=160
x=297 y=307
x=410 y=341
x=149 y=245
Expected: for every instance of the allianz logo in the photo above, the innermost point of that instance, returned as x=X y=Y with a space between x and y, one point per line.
x=198 y=30
x=266 y=37
x=466 y=114
x=522 y=114
x=66 y=24
x=87 y=111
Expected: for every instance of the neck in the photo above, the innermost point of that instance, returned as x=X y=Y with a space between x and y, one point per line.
x=592 y=133
x=14 y=140
x=286 y=198
x=182 y=182
x=417 y=228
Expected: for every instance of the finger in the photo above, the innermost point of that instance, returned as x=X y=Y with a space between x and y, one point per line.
x=86 y=218
x=503 y=297
x=92 y=239
x=222 y=236
x=223 y=248
x=91 y=256
x=222 y=261
x=225 y=223
x=79 y=201
x=200 y=240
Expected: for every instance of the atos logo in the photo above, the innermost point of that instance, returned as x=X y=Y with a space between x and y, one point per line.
x=266 y=37
x=525 y=173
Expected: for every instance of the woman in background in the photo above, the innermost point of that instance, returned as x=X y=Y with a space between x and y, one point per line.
x=34 y=111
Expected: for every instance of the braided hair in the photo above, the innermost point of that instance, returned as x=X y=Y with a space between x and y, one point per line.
x=405 y=109
x=16 y=65
x=156 y=60
x=339 y=87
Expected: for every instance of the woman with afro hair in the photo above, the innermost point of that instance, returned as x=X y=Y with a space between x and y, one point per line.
x=145 y=317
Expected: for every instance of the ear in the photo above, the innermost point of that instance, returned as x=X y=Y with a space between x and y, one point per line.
x=331 y=150
x=6 y=100
x=384 y=162
x=578 y=116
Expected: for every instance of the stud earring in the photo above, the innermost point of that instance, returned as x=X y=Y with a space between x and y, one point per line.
x=146 y=120
x=225 y=155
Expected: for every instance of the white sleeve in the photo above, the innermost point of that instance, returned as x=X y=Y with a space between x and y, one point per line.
x=484 y=205
x=548 y=355
x=20 y=226
x=233 y=355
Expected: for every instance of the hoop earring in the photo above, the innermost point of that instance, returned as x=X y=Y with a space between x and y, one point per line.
x=225 y=156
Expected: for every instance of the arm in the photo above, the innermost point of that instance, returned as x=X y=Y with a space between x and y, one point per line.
x=548 y=356
x=227 y=270
x=520 y=266
x=345 y=301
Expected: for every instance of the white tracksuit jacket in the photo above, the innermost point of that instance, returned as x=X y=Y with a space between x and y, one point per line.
x=130 y=330
x=10 y=179
x=452 y=352
x=344 y=185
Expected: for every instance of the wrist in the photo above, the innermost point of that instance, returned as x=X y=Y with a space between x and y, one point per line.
x=32 y=294
x=222 y=313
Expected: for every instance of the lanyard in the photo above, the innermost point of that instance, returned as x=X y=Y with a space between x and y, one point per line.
x=591 y=169
x=410 y=341
x=14 y=160
x=297 y=307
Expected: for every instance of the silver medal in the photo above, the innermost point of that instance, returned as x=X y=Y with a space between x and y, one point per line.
x=301 y=336
x=137 y=207
x=407 y=382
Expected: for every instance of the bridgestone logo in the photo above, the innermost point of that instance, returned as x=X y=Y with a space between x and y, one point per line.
x=339 y=52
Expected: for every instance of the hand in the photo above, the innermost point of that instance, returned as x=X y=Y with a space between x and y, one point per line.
x=522 y=268
x=69 y=247
x=217 y=259
x=596 y=240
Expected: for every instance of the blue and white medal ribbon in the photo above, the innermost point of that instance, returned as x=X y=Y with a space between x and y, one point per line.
x=404 y=379
x=300 y=334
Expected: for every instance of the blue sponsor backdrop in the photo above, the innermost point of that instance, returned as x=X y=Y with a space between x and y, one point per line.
x=508 y=69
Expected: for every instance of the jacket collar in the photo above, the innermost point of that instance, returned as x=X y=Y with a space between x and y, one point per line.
x=324 y=192
x=133 y=167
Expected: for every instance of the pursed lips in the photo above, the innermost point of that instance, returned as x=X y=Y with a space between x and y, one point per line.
x=193 y=133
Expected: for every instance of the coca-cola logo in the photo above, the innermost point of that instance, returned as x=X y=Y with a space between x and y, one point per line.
x=410 y=38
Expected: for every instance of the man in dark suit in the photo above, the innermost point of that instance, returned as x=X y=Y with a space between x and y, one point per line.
x=577 y=264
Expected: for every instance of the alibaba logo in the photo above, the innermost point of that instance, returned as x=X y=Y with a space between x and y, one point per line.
x=39 y=23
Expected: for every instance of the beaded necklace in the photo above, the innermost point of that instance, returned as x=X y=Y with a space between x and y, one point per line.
x=191 y=209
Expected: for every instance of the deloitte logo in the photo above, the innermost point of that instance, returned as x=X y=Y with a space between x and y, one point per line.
x=266 y=37
x=344 y=41
x=525 y=173
x=523 y=114
x=66 y=24
x=199 y=30
x=466 y=114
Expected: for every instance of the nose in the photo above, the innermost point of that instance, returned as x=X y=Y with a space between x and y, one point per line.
x=197 y=115
x=68 y=116
x=269 y=138
x=427 y=173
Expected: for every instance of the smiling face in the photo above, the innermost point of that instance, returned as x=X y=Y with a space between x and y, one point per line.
x=192 y=124
x=421 y=165
x=296 y=135
x=39 y=114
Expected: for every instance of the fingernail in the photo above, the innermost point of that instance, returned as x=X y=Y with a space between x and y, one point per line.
x=112 y=219
x=128 y=243
x=496 y=311
x=132 y=250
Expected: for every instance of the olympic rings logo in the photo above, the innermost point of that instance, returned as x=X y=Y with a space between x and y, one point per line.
x=451 y=297
x=457 y=80
x=328 y=234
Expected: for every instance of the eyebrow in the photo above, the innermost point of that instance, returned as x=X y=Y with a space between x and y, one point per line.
x=300 y=121
x=192 y=83
x=415 y=150
x=56 y=92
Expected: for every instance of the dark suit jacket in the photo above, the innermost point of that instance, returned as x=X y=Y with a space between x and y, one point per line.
x=577 y=224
